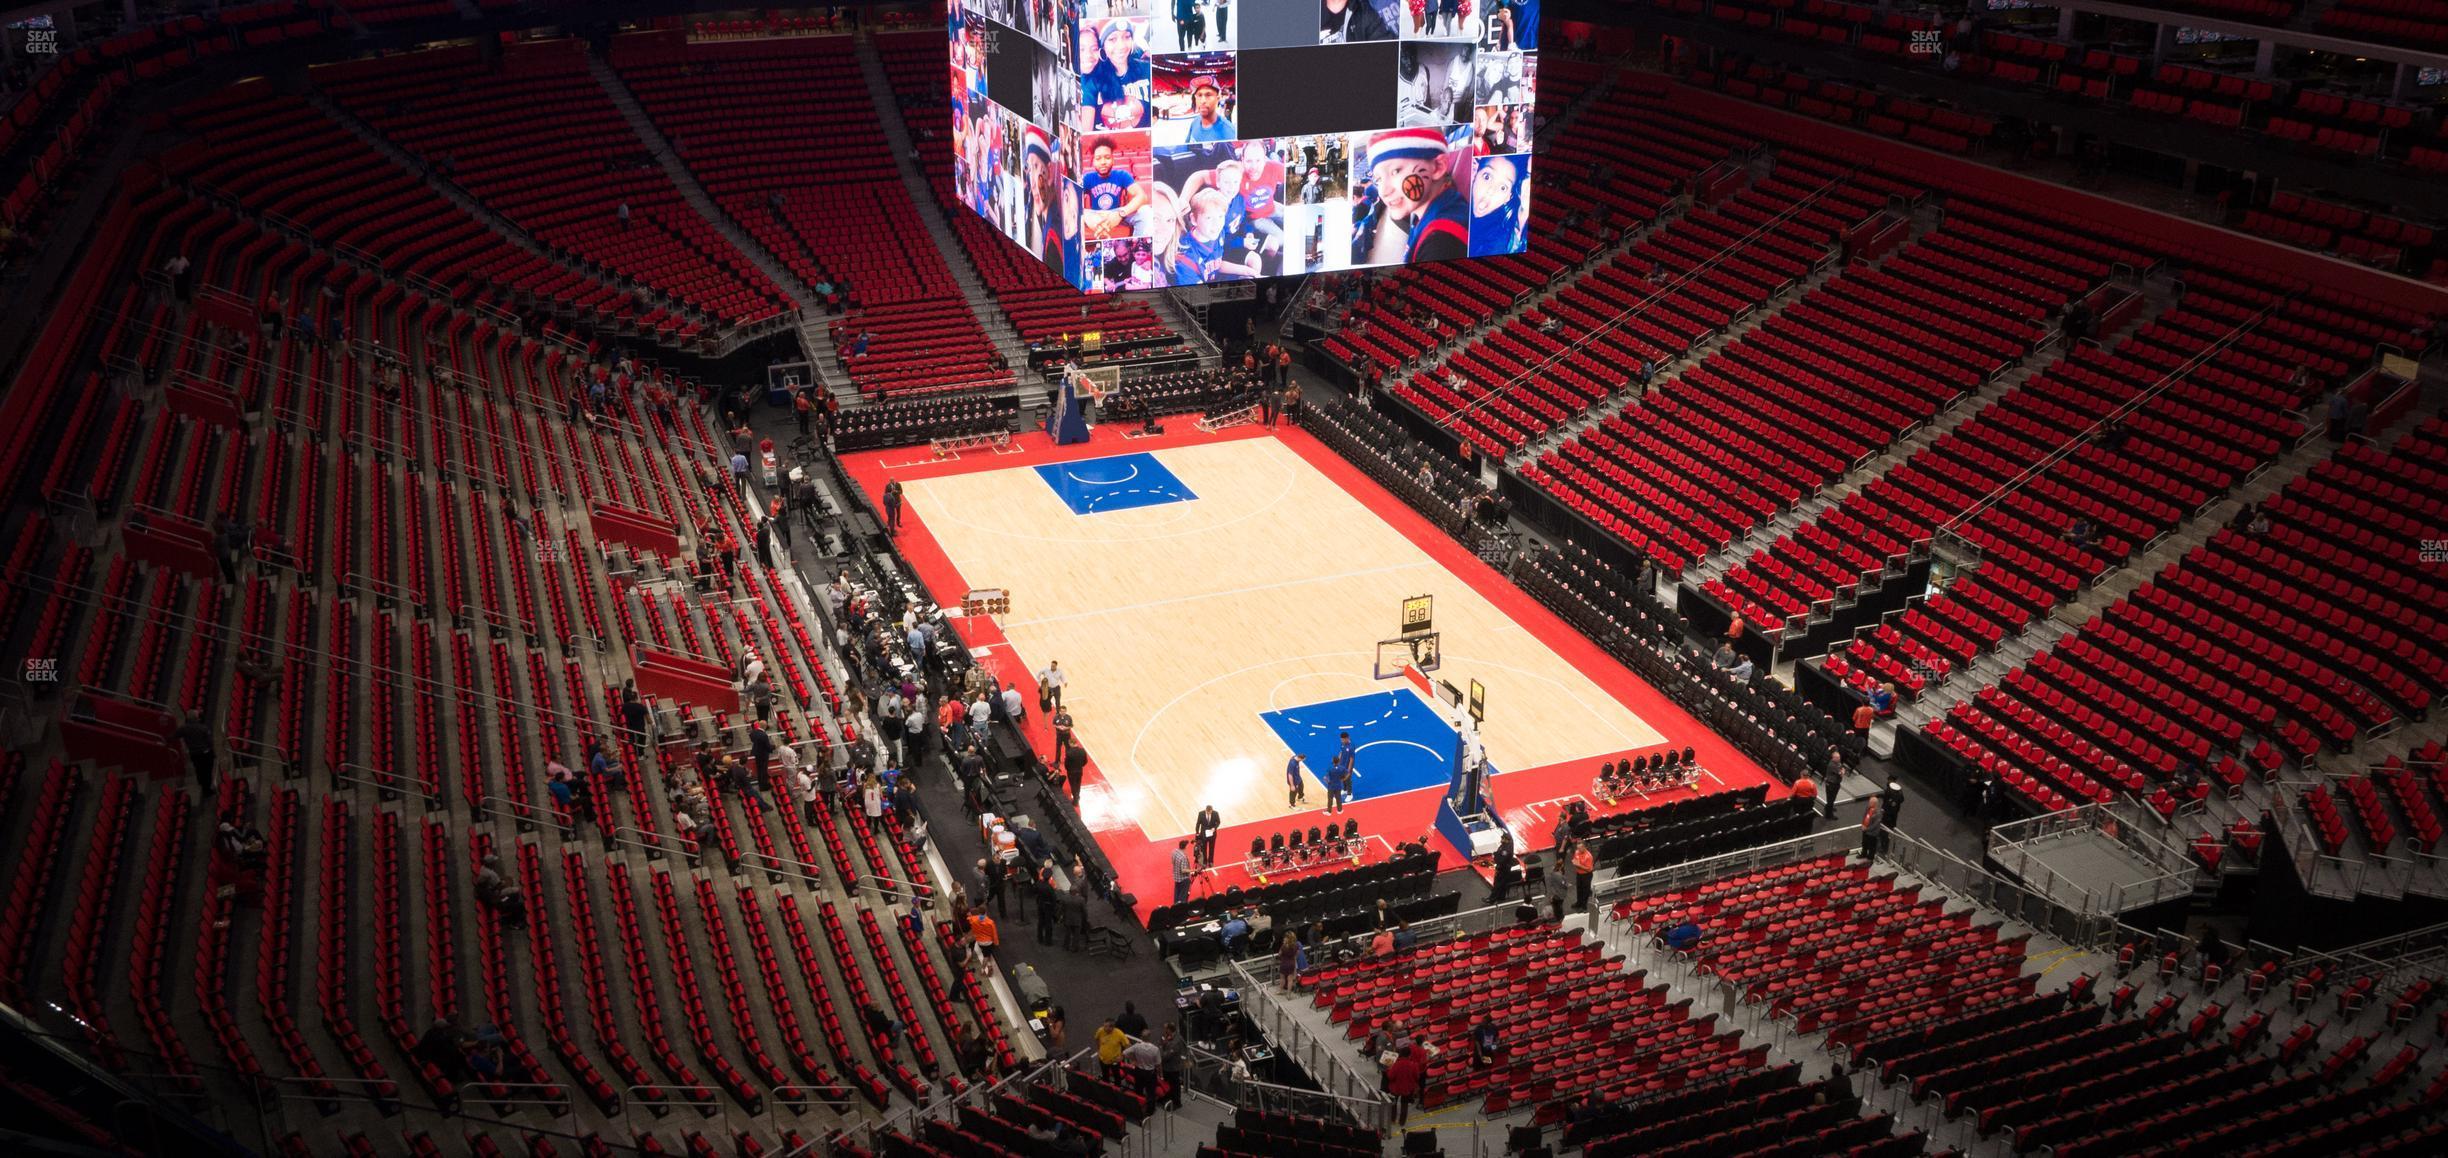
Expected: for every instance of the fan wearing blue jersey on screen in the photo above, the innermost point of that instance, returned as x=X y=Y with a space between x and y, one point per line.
x=1199 y=257
x=1110 y=196
x=1119 y=67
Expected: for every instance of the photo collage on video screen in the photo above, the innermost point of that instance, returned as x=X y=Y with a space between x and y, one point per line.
x=1141 y=144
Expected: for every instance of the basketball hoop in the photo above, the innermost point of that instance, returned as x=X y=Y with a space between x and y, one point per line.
x=1093 y=383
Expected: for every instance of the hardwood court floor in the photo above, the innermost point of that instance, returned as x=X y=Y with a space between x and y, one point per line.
x=1179 y=624
x=1181 y=621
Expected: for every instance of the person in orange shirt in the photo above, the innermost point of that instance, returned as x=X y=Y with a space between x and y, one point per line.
x=983 y=934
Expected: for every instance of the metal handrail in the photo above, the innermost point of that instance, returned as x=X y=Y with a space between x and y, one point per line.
x=1732 y=248
x=400 y=784
x=1800 y=848
x=1367 y=1104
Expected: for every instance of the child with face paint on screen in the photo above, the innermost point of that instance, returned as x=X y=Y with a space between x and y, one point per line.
x=1408 y=210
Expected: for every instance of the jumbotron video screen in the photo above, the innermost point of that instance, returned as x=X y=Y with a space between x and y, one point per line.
x=1140 y=144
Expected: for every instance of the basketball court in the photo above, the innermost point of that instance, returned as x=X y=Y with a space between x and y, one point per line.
x=1217 y=601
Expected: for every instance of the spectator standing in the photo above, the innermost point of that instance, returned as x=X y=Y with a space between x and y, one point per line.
x=1141 y=1060
x=983 y=934
x=760 y=749
x=1402 y=1082
x=1828 y=791
x=1505 y=865
x=1074 y=901
x=990 y=882
x=197 y=740
x=1208 y=822
x=635 y=715
x=1585 y=872
x=1075 y=768
x=1049 y=907
x=1110 y=1042
x=761 y=697
x=1874 y=828
x=1174 y=1052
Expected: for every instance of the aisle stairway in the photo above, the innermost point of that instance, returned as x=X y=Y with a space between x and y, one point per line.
x=939 y=230
x=667 y=155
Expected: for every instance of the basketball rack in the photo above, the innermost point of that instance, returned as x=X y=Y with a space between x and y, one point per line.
x=1244 y=416
x=999 y=441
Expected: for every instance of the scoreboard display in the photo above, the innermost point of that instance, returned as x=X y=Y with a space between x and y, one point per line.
x=1141 y=144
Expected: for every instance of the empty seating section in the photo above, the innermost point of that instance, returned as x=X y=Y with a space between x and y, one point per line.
x=70 y=98
x=2411 y=23
x=783 y=134
x=1624 y=162
x=925 y=418
x=2309 y=223
x=1830 y=22
x=2253 y=651
x=418 y=619
x=2152 y=429
x=1931 y=126
x=1576 y=1019
x=384 y=11
x=2064 y=1074
x=1640 y=310
x=1832 y=945
x=1030 y=293
x=1813 y=392
x=536 y=139
x=282 y=159
x=1256 y=1133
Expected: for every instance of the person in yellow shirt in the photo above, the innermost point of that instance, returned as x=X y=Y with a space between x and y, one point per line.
x=1110 y=1042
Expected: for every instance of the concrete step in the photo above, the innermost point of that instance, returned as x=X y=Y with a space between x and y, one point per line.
x=922 y=198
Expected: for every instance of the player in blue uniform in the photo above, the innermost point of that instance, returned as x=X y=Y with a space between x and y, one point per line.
x=1339 y=775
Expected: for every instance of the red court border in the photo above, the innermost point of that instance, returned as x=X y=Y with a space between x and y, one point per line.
x=1529 y=798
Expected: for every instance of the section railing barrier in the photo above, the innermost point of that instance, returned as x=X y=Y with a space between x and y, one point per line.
x=865 y=1134
x=1354 y=1095
x=2013 y=845
x=2003 y=894
x=1800 y=848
